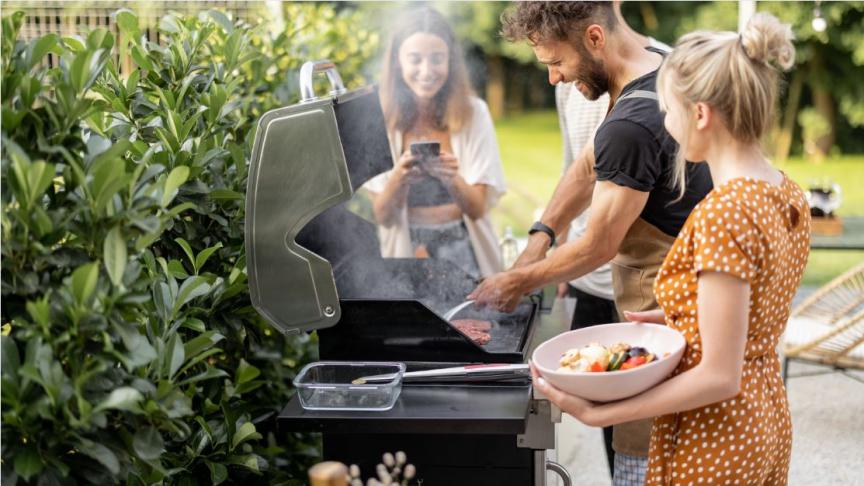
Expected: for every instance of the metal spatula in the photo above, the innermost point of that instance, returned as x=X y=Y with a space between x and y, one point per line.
x=450 y=314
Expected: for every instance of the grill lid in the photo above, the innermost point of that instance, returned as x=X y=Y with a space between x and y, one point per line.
x=306 y=158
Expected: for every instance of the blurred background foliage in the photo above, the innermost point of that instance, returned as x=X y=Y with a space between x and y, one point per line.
x=826 y=78
x=131 y=352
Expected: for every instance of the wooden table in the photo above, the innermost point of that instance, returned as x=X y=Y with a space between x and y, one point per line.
x=851 y=239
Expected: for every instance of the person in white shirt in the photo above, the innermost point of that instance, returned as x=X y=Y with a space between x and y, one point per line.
x=436 y=207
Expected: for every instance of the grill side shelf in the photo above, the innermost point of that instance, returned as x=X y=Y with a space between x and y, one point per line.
x=424 y=409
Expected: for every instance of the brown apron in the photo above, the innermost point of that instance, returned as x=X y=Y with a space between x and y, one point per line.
x=633 y=271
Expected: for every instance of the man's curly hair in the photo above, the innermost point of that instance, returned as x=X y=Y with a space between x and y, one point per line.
x=539 y=22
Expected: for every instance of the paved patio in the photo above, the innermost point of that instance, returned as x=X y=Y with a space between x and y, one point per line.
x=828 y=433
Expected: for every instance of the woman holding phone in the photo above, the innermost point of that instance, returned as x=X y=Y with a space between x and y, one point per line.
x=728 y=282
x=447 y=173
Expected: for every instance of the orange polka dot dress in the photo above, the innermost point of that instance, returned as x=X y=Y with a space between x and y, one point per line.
x=760 y=233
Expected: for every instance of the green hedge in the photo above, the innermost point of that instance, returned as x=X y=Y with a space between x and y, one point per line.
x=130 y=350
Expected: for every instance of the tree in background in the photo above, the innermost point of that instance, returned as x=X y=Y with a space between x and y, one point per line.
x=504 y=66
x=823 y=104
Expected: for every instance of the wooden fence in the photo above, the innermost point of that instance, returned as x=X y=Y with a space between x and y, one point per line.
x=73 y=18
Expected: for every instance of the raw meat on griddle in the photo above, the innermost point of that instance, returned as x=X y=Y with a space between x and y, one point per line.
x=477 y=324
x=475 y=329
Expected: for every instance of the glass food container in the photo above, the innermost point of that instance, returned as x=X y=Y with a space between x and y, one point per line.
x=336 y=385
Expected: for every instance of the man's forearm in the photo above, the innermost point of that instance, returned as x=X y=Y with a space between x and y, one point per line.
x=571 y=197
x=570 y=261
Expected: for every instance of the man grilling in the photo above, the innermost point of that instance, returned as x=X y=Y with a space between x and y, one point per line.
x=626 y=175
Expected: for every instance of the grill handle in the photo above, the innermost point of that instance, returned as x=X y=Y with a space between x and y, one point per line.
x=561 y=471
x=310 y=68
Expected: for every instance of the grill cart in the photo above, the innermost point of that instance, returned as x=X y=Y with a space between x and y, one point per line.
x=314 y=264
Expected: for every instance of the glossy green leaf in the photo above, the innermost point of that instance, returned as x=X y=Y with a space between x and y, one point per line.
x=225 y=195
x=39 y=178
x=100 y=38
x=176 y=269
x=200 y=358
x=11 y=119
x=176 y=355
x=169 y=24
x=210 y=374
x=221 y=19
x=84 y=280
x=42 y=222
x=100 y=453
x=128 y=23
x=175 y=179
x=73 y=43
x=109 y=177
x=40 y=48
x=28 y=463
x=246 y=372
x=218 y=472
x=148 y=443
x=147 y=239
x=187 y=249
x=204 y=255
x=192 y=287
x=113 y=151
x=139 y=351
x=40 y=311
x=244 y=433
x=114 y=254
x=132 y=81
x=82 y=69
x=249 y=461
x=194 y=324
x=180 y=208
x=123 y=398
x=141 y=58
x=10 y=361
x=202 y=343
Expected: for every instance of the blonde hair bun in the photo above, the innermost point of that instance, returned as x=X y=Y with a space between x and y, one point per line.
x=767 y=40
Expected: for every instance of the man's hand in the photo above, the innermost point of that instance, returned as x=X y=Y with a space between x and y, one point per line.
x=563 y=290
x=655 y=316
x=501 y=291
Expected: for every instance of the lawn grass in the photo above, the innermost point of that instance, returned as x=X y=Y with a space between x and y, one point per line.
x=531 y=149
x=532 y=154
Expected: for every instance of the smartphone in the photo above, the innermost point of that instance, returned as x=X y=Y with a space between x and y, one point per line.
x=425 y=151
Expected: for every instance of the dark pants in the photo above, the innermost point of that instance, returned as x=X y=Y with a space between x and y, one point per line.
x=590 y=311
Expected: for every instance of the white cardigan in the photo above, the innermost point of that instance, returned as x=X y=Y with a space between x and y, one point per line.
x=476 y=148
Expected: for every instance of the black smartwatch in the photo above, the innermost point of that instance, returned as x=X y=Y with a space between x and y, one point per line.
x=538 y=226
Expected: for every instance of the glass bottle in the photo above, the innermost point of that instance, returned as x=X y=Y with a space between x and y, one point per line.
x=509 y=248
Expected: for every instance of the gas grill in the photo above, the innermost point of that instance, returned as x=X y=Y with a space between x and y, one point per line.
x=314 y=264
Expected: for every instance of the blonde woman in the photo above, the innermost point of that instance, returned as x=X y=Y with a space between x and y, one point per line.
x=728 y=282
x=437 y=206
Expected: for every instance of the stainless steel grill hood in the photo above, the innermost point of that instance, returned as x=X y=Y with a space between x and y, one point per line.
x=306 y=159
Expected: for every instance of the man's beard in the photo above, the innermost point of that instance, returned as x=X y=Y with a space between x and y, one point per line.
x=593 y=77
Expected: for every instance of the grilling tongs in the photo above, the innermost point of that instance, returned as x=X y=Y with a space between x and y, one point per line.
x=468 y=373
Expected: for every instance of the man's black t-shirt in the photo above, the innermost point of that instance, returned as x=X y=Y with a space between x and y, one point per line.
x=633 y=149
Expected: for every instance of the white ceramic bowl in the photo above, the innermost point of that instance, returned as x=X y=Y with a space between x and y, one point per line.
x=611 y=385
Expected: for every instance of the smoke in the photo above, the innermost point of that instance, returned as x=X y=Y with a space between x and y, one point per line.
x=346 y=235
x=349 y=240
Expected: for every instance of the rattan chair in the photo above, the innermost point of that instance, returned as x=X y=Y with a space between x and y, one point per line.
x=828 y=327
